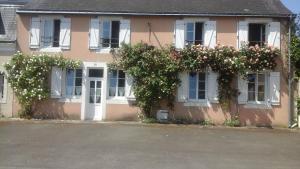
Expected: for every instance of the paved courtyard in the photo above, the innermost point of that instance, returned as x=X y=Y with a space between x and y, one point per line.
x=44 y=145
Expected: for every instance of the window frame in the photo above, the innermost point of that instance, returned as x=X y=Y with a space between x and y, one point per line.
x=3 y=97
x=265 y=42
x=194 y=32
x=73 y=96
x=101 y=31
x=42 y=30
x=117 y=85
x=197 y=87
x=256 y=101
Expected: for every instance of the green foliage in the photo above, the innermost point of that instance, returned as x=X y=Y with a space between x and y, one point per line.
x=295 y=54
x=27 y=75
x=234 y=122
x=228 y=62
x=154 y=73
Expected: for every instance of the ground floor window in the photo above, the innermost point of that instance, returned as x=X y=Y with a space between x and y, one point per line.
x=256 y=87
x=116 y=83
x=73 y=82
x=197 y=86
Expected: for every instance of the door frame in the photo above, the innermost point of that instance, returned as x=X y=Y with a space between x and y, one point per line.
x=85 y=85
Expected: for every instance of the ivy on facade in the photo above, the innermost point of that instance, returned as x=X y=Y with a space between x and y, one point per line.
x=28 y=77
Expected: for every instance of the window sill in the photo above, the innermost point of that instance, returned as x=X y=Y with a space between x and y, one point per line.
x=253 y=105
x=198 y=103
x=118 y=100
x=70 y=99
x=51 y=49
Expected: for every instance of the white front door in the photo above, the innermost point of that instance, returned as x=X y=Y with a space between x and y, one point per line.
x=94 y=99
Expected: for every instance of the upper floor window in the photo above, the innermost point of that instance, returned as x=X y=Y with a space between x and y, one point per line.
x=197 y=86
x=257 y=34
x=116 y=83
x=110 y=34
x=50 y=33
x=194 y=33
x=73 y=82
x=256 y=87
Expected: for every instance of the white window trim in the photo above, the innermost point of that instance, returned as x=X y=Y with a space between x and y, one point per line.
x=73 y=98
x=5 y=92
x=106 y=50
x=48 y=49
x=193 y=20
x=260 y=104
x=197 y=102
x=117 y=88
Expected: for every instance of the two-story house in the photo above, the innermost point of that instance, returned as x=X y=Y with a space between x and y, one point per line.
x=8 y=37
x=87 y=30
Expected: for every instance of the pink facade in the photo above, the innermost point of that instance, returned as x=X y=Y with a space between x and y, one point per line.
x=157 y=30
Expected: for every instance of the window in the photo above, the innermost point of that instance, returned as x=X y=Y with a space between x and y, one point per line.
x=73 y=82
x=1 y=86
x=197 y=86
x=96 y=73
x=194 y=33
x=257 y=34
x=256 y=87
x=51 y=33
x=110 y=34
x=116 y=83
x=2 y=28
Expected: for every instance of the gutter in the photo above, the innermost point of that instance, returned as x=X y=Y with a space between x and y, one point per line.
x=20 y=11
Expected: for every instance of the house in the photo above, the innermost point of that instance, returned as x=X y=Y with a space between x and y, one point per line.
x=87 y=30
x=7 y=49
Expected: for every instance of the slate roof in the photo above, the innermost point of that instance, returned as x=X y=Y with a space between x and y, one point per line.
x=160 y=7
x=14 y=2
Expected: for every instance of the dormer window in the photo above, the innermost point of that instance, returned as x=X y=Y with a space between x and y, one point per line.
x=257 y=34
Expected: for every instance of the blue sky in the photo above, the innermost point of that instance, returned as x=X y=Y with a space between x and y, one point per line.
x=293 y=5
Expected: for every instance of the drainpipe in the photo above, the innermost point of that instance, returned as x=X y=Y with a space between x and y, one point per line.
x=290 y=76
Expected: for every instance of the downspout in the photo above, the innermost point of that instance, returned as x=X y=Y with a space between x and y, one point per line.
x=290 y=76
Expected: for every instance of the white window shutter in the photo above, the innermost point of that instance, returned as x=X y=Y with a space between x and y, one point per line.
x=274 y=88
x=213 y=87
x=124 y=35
x=182 y=93
x=35 y=32
x=65 y=33
x=128 y=87
x=243 y=28
x=94 y=33
x=179 y=34
x=274 y=34
x=210 y=34
x=56 y=82
x=243 y=90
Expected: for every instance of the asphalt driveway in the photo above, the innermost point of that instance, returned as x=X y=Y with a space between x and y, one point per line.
x=27 y=145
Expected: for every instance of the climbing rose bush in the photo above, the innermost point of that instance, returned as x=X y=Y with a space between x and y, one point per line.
x=28 y=77
x=155 y=70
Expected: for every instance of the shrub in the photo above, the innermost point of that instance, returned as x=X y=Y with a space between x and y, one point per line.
x=27 y=75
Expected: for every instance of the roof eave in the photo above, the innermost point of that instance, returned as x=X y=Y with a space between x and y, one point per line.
x=22 y=11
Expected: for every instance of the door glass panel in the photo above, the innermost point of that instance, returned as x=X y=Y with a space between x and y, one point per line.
x=192 y=85
x=98 y=92
x=92 y=92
